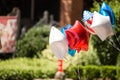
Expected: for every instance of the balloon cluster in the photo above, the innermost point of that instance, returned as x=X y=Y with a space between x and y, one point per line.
x=76 y=37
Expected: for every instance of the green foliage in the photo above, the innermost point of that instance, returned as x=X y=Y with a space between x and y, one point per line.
x=118 y=60
x=48 y=54
x=86 y=57
x=118 y=72
x=106 y=52
x=93 y=72
x=34 y=41
x=108 y=71
x=27 y=69
x=82 y=58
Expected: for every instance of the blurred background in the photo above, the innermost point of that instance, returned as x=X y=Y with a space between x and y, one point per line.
x=33 y=57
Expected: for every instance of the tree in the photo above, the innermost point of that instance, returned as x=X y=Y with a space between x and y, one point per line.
x=106 y=52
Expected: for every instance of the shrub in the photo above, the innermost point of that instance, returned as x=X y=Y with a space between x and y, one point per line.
x=85 y=57
x=108 y=71
x=118 y=72
x=33 y=42
x=118 y=60
x=27 y=69
x=93 y=72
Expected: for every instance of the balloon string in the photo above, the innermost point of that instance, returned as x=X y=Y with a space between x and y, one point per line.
x=110 y=42
x=76 y=71
x=117 y=39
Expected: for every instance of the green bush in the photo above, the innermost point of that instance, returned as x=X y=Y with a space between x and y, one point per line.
x=16 y=74
x=118 y=60
x=108 y=71
x=84 y=72
x=31 y=68
x=27 y=69
x=33 y=42
x=118 y=73
x=93 y=72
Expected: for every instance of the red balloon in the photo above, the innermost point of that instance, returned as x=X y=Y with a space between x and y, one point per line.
x=78 y=37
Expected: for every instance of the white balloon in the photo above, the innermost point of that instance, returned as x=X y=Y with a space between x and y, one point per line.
x=58 y=43
x=102 y=26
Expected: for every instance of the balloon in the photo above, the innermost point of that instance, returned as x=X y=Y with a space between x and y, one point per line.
x=65 y=28
x=87 y=18
x=58 y=43
x=70 y=51
x=102 y=26
x=87 y=15
x=107 y=11
x=77 y=37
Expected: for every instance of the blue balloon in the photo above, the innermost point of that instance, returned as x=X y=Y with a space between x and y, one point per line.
x=87 y=15
x=105 y=10
x=70 y=51
x=65 y=28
